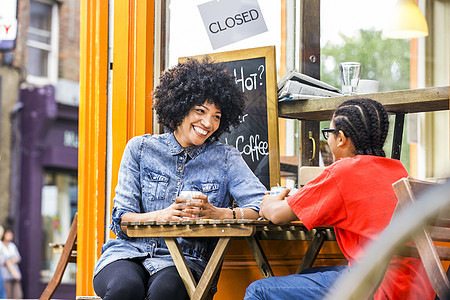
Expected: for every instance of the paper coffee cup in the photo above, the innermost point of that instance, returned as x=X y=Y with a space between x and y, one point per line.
x=367 y=86
x=187 y=195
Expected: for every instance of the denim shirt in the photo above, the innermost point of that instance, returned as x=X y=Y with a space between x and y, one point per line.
x=154 y=169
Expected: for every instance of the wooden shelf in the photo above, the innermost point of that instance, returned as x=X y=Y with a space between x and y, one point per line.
x=407 y=101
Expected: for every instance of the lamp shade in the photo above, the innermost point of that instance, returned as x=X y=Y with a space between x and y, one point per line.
x=405 y=21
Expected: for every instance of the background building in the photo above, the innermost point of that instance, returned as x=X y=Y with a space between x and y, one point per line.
x=39 y=85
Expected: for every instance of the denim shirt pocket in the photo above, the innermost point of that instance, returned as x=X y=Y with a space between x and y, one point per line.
x=210 y=189
x=155 y=185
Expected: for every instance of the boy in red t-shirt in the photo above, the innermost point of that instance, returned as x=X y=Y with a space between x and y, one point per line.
x=354 y=195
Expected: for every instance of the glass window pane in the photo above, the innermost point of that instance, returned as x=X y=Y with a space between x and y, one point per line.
x=188 y=36
x=40 y=15
x=351 y=32
x=39 y=35
x=59 y=205
x=37 y=62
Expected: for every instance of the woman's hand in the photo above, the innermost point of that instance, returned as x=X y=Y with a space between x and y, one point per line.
x=175 y=212
x=202 y=209
x=275 y=209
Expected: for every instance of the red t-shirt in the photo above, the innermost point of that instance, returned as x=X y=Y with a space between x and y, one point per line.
x=355 y=195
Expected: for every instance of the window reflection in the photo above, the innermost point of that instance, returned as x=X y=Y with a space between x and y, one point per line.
x=59 y=205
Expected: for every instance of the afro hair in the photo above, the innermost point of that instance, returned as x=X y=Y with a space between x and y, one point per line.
x=195 y=82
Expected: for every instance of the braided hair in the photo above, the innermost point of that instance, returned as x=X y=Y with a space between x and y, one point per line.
x=366 y=122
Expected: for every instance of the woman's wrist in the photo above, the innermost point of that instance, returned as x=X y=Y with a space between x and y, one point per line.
x=233 y=212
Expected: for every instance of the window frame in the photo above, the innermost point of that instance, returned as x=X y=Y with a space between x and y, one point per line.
x=52 y=48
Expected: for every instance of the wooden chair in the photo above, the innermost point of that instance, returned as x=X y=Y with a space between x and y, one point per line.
x=307 y=173
x=406 y=190
x=68 y=255
x=411 y=219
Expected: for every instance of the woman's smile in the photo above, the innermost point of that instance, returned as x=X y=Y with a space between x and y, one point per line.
x=200 y=131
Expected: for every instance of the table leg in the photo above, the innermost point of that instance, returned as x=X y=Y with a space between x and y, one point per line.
x=398 y=135
x=181 y=265
x=197 y=291
x=204 y=285
x=312 y=251
x=260 y=257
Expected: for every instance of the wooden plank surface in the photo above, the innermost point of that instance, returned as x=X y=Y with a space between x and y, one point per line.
x=219 y=230
x=225 y=228
x=202 y=222
x=407 y=101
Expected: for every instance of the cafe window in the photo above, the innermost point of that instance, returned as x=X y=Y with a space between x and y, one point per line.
x=58 y=207
x=397 y=64
x=42 y=44
x=350 y=30
x=359 y=39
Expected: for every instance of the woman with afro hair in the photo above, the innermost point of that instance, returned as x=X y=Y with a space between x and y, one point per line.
x=355 y=196
x=196 y=102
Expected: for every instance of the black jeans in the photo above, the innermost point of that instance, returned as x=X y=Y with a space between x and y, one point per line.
x=128 y=279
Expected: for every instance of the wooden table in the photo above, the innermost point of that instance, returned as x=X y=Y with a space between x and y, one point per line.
x=226 y=230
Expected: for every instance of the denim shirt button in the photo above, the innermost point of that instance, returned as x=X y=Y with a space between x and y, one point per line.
x=180 y=168
x=178 y=183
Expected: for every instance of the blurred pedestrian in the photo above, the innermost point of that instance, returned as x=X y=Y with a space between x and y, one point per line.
x=2 y=261
x=10 y=269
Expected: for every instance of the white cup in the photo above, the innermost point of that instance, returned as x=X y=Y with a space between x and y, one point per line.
x=367 y=86
x=349 y=73
x=187 y=195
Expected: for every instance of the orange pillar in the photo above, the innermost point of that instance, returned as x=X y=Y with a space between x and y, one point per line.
x=132 y=76
x=92 y=138
x=131 y=111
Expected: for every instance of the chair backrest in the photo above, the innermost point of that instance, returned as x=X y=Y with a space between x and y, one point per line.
x=308 y=173
x=406 y=190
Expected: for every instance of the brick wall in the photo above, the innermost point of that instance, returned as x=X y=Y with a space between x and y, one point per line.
x=69 y=39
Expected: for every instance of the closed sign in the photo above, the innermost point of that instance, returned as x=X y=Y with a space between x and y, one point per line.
x=230 y=21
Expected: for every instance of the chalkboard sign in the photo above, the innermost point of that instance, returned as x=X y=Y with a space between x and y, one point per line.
x=256 y=137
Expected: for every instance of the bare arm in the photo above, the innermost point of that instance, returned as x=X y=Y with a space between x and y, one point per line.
x=275 y=209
